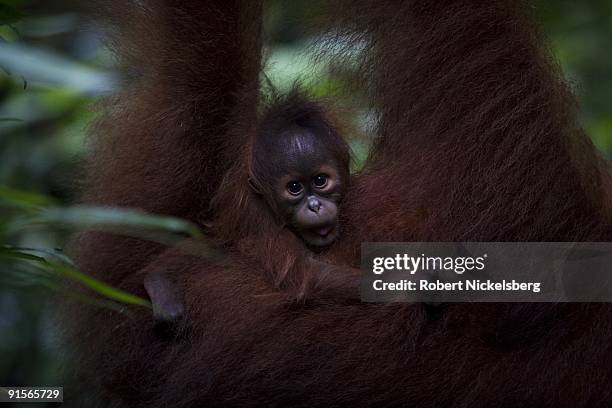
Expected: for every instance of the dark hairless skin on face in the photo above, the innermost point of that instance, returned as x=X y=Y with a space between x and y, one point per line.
x=307 y=187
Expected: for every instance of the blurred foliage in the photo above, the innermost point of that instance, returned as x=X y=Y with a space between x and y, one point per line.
x=52 y=69
x=581 y=38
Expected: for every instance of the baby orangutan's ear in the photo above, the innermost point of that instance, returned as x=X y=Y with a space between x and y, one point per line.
x=255 y=186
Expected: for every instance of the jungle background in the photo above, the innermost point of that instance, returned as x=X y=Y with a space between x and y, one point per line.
x=53 y=68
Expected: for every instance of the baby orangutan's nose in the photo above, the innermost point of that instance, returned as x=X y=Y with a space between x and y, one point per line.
x=314 y=204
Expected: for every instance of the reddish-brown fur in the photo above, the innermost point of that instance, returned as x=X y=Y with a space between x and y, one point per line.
x=478 y=141
x=247 y=222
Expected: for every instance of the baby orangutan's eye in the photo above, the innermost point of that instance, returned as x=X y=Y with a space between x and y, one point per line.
x=320 y=181
x=294 y=187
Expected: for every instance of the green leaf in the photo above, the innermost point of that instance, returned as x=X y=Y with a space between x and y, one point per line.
x=114 y=219
x=20 y=279
x=45 y=253
x=71 y=273
x=102 y=303
x=99 y=286
x=24 y=199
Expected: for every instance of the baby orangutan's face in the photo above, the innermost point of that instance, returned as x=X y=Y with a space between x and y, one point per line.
x=309 y=200
x=307 y=188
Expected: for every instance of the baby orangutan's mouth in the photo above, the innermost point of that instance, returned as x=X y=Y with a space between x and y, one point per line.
x=323 y=231
x=321 y=236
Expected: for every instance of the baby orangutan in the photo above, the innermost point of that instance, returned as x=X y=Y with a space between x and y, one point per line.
x=285 y=212
x=300 y=167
